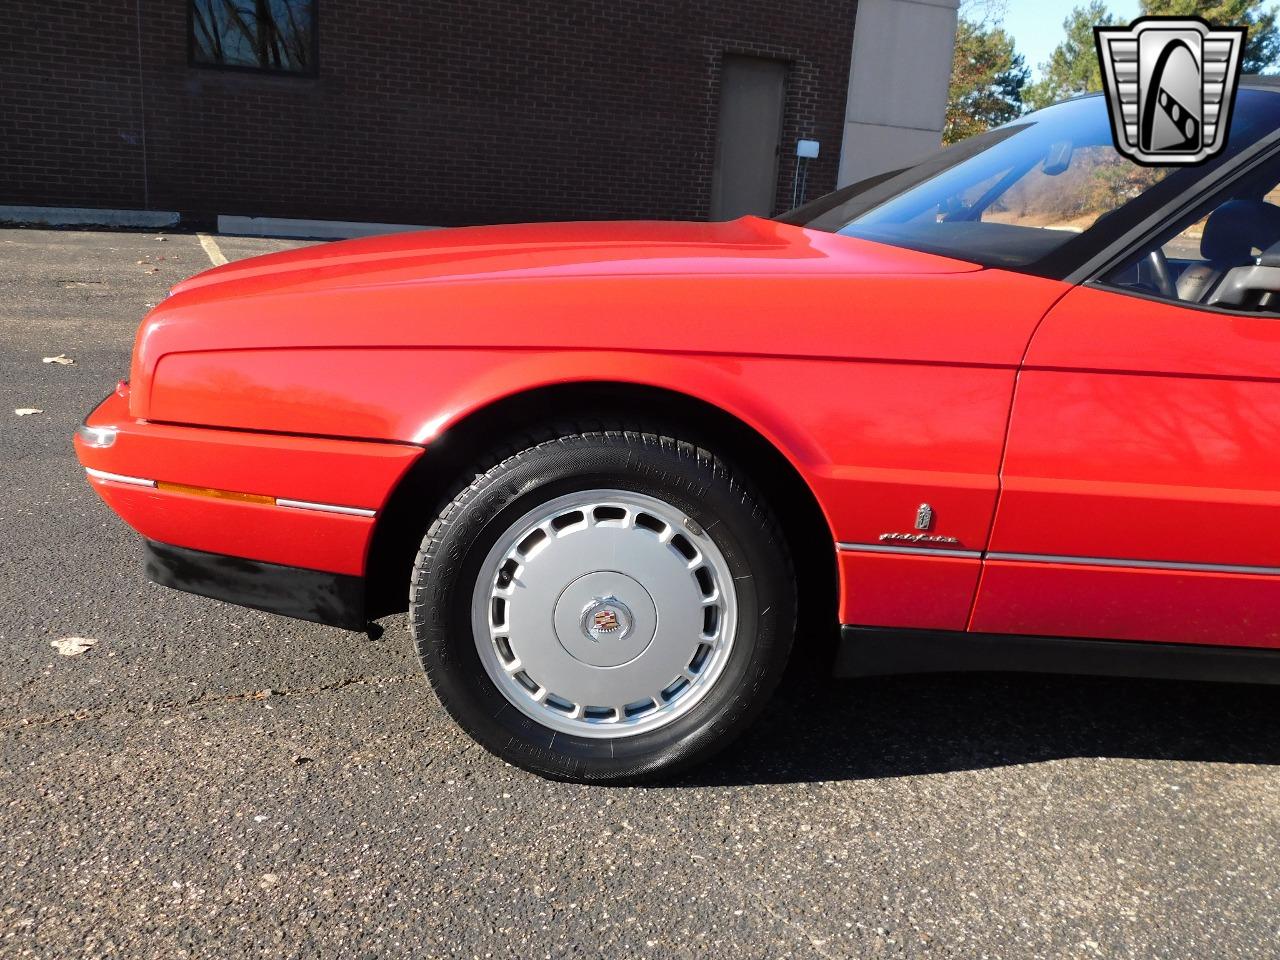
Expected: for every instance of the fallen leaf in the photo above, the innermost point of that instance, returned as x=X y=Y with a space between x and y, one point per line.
x=61 y=359
x=26 y=411
x=72 y=646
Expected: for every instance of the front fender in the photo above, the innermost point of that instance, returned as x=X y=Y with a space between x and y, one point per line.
x=872 y=440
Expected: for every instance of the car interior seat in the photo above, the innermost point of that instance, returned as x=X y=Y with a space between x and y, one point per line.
x=1231 y=235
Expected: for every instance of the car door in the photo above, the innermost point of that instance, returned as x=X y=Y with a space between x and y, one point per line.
x=1141 y=481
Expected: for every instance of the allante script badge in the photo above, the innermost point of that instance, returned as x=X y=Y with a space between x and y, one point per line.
x=917 y=538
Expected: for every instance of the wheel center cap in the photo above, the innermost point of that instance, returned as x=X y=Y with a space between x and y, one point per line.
x=606 y=618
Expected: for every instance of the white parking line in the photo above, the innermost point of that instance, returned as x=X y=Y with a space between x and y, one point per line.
x=216 y=256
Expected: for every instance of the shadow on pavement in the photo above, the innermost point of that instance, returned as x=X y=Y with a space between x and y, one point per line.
x=900 y=726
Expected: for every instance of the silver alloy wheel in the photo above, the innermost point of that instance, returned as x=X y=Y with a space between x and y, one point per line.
x=604 y=613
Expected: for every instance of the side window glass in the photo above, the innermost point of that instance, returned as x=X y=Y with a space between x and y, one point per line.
x=1185 y=245
x=1226 y=256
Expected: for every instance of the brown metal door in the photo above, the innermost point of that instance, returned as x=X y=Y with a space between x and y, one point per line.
x=745 y=178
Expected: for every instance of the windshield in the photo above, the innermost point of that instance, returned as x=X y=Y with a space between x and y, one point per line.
x=1016 y=195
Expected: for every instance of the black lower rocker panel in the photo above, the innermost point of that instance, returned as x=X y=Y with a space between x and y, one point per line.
x=878 y=651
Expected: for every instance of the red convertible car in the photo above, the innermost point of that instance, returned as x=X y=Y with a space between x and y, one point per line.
x=1014 y=407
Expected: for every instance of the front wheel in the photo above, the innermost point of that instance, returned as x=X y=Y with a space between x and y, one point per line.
x=604 y=606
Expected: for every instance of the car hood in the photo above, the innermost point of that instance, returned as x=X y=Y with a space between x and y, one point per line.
x=748 y=287
x=750 y=245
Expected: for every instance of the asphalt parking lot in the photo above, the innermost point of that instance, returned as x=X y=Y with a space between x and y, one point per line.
x=208 y=781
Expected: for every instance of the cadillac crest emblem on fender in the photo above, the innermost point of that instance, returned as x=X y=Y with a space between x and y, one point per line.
x=1170 y=85
x=924 y=517
x=924 y=521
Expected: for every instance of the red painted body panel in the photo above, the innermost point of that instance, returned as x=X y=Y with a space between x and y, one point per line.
x=799 y=294
x=295 y=538
x=1141 y=431
x=920 y=592
x=342 y=472
x=1099 y=329
x=869 y=438
x=749 y=246
x=336 y=472
x=1167 y=606
x=1143 y=468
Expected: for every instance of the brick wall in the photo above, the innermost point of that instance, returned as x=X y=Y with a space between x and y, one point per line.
x=421 y=111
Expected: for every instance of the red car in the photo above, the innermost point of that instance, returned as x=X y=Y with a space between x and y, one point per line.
x=1014 y=407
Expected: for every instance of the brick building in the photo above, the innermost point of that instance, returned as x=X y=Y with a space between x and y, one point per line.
x=443 y=112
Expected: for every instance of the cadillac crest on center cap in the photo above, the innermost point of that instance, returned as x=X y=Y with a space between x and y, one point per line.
x=606 y=617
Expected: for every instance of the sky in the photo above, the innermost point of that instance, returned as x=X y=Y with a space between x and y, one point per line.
x=1036 y=25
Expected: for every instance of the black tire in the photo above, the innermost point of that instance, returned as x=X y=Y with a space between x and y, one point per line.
x=688 y=477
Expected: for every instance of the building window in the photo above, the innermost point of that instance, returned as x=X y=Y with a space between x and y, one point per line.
x=273 y=35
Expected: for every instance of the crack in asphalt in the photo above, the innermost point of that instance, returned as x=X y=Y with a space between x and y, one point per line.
x=151 y=708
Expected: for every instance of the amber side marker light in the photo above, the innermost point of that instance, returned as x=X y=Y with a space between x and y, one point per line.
x=213 y=492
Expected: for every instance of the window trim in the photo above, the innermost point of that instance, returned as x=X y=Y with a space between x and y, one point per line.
x=311 y=71
x=1178 y=304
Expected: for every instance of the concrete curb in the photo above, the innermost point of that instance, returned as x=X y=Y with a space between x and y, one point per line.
x=308 y=229
x=88 y=217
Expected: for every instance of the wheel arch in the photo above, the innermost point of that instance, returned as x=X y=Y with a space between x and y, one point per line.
x=455 y=450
